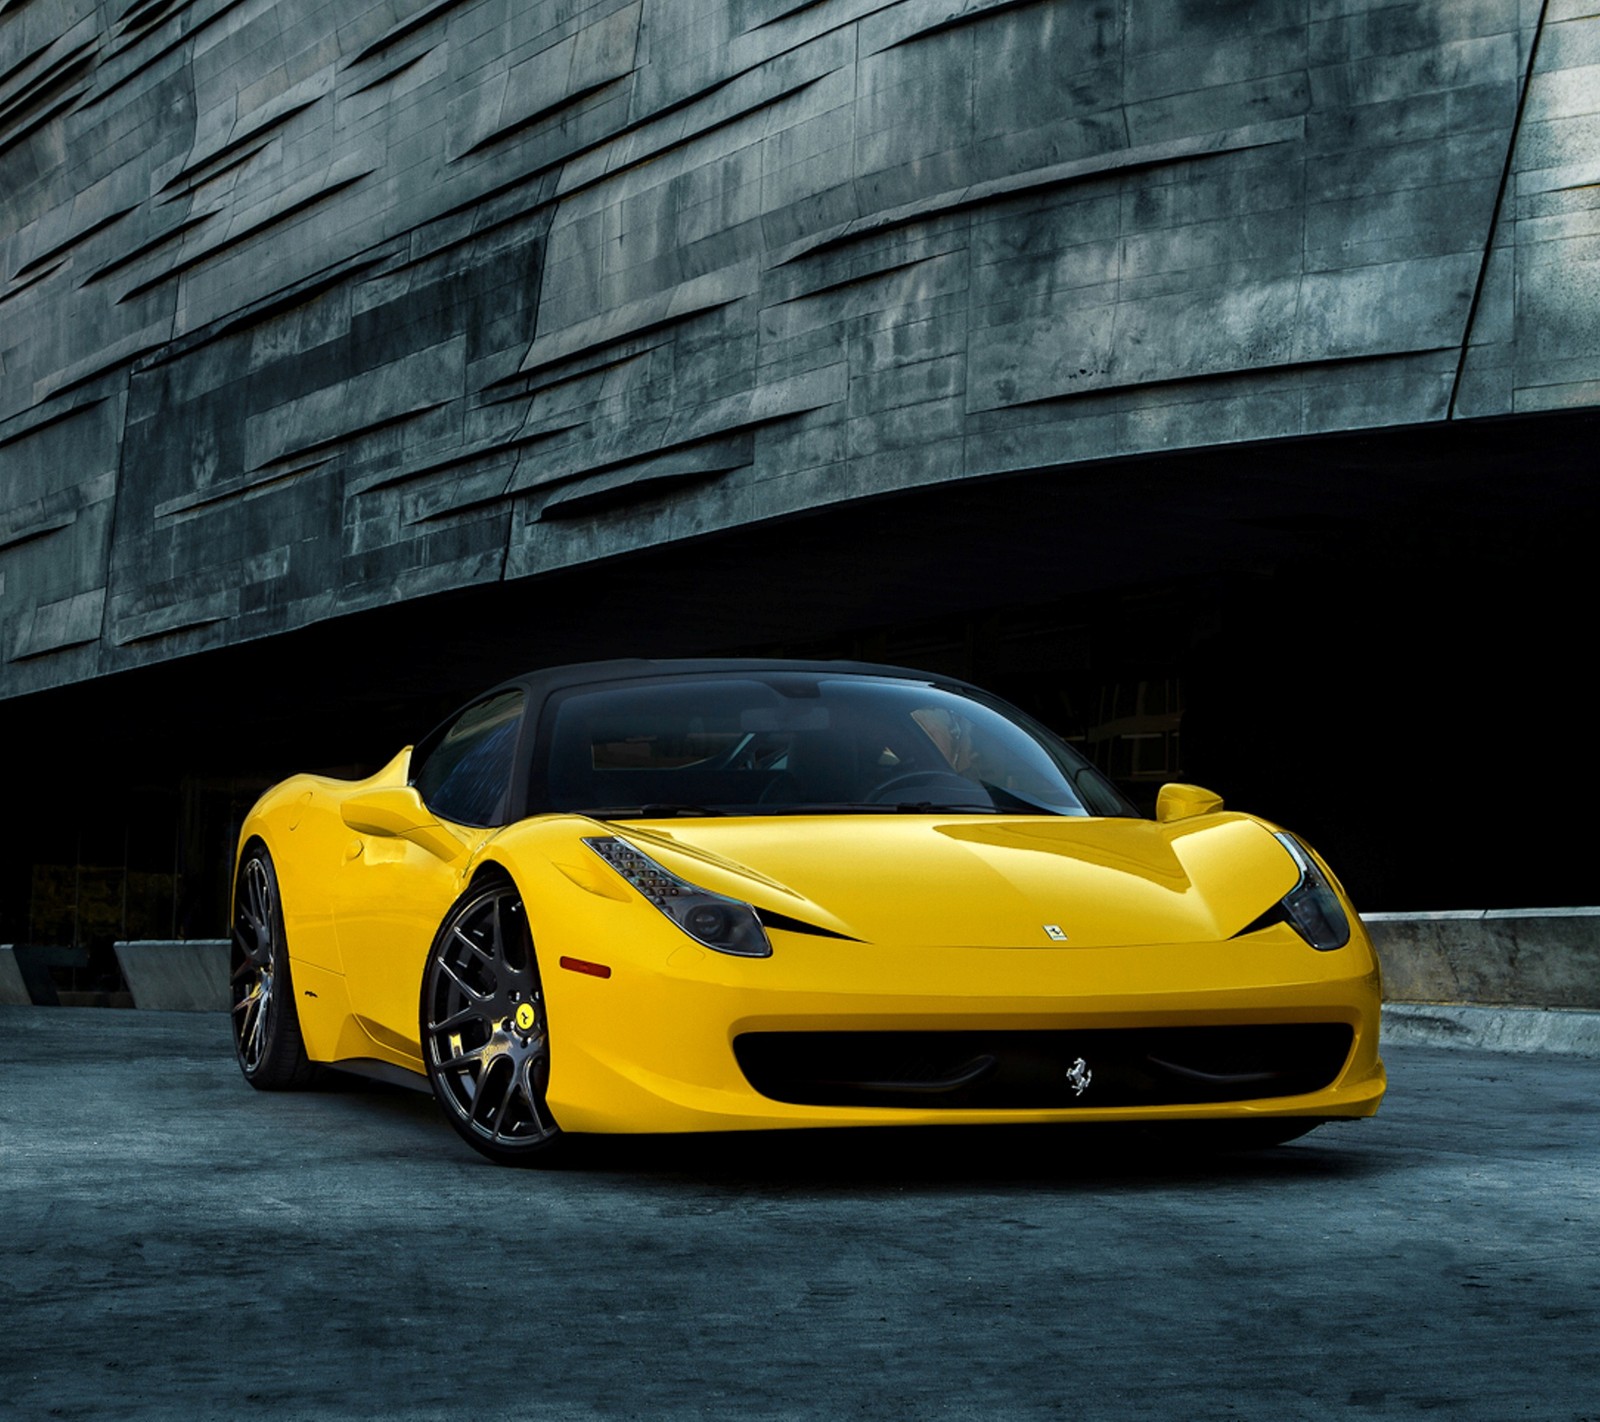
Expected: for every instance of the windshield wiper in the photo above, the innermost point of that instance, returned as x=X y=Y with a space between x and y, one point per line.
x=887 y=807
x=653 y=812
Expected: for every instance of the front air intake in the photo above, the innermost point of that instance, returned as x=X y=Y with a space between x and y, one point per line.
x=1135 y=1066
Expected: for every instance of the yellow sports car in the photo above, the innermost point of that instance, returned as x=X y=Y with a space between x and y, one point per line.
x=740 y=895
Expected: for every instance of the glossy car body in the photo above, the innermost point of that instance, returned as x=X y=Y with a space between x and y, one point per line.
x=979 y=955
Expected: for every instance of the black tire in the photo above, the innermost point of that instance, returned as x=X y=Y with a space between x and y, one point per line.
x=266 y=1023
x=485 y=1033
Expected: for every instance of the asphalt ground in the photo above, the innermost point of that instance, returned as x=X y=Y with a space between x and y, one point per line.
x=174 y=1244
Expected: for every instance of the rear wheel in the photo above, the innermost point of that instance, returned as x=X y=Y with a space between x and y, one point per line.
x=266 y=1027
x=485 y=1034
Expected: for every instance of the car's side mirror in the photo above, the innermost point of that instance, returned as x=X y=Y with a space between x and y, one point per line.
x=1178 y=801
x=397 y=812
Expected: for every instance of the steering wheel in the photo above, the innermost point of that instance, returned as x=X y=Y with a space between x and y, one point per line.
x=897 y=787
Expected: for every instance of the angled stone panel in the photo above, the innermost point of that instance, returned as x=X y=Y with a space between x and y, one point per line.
x=569 y=63
x=58 y=485
x=254 y=447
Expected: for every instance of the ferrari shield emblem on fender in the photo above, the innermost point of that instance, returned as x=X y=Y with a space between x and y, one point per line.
x=1079 y=1076
x=1053 y=931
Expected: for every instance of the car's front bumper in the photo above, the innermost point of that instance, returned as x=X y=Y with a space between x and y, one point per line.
x=652 y=1046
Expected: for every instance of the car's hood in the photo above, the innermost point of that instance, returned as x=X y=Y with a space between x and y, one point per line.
x=986 y=881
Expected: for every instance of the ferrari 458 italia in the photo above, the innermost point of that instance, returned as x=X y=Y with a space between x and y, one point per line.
x=742 y=895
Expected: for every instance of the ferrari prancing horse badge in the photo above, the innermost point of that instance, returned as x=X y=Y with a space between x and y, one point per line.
x=1079 y=1076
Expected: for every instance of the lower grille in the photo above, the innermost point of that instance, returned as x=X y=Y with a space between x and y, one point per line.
x=1155 y=1066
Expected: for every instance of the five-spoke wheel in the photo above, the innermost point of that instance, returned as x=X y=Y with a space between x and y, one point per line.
x=266 y=1029
x=485 y=1037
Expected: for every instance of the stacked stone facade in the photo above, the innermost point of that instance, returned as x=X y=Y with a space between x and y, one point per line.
x=310 y=306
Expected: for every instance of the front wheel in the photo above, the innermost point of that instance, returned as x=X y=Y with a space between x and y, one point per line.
x=266 y=1027
x=485 y=1034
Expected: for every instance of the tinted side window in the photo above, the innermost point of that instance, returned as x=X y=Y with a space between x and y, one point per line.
x=465 y=774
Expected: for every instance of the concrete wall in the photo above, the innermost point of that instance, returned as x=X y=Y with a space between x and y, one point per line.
x=1510 y=957
x=308 y=306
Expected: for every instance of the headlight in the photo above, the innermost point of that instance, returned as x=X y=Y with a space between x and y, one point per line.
x=1311 y=906
x=724 y=924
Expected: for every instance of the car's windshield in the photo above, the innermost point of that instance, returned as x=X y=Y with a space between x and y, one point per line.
x=803 y=743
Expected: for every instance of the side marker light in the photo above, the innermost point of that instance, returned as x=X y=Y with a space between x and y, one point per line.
x=582 y=965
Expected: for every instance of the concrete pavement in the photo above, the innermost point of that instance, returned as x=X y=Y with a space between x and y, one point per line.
x=176 y=1245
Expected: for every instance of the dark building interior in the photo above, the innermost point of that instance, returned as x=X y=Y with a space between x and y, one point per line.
x=1375 y=639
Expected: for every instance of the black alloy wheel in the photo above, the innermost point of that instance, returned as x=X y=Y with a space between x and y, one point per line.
x=485 y=1034
x=266 y=1026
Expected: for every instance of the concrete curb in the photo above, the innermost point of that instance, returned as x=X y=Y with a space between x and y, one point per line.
x=1516 y=957
x=183 y=975
x=1562 y=1031
x=13 y=987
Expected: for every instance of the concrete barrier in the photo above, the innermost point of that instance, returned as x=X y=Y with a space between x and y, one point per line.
x=181 y=975
x=1567 y=1032
x=1547 y=958
x=35 y=966
x=13 y=988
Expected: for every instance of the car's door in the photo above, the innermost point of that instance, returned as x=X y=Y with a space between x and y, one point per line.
x=395 y=888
